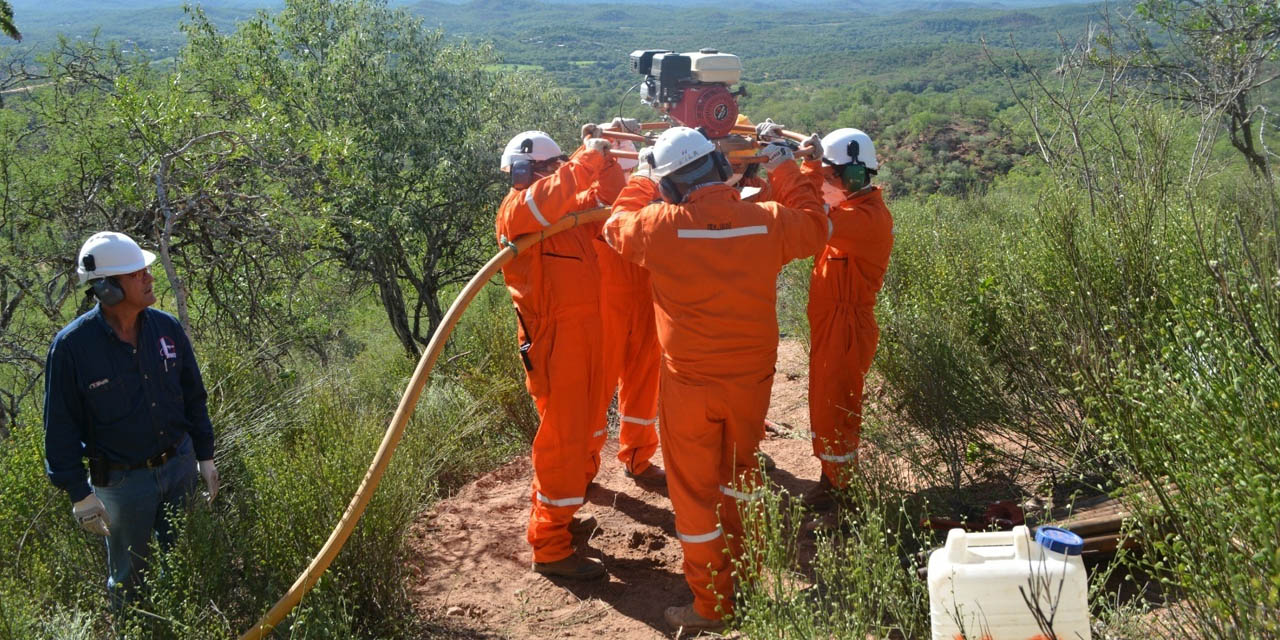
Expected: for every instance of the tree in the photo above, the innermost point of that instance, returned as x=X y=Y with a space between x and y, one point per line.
x=54 y=149
x=407 y=181
x=107 y=142
x=6 y=21
x=1219 y=54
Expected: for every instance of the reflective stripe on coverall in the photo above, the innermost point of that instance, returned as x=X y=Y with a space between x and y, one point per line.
x=713 y=262
x=632 y=356
x=555 y=288
x=843 y=332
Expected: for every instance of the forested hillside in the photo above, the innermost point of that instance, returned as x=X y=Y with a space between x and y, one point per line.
x=908 y=66
x=1082 y=300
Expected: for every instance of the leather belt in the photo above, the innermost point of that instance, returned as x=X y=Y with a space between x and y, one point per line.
x=157 y=460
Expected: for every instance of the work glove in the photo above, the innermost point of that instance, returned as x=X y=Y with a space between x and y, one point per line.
x=590 y=130
x=768 y=130
x=630 y=125
x=777 y=153
x=815 y=143
x=644 y=168
x=644 y=171
x=92 y=515
x=209 y=471
x=598 y=144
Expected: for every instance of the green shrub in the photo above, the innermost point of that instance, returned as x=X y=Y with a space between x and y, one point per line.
x=295 y=438
x=859 y=582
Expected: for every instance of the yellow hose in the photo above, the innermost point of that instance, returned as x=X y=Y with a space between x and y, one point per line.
x=395 y=430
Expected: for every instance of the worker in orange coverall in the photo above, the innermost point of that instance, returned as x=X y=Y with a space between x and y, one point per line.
x=713 y=263
x=631 y=352
x=846 y=277
x=555 y=288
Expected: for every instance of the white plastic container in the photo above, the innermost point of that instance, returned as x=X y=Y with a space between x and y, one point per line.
x=709 y=65
x=974 y=585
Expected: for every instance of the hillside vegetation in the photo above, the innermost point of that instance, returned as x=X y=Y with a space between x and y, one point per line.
x=1082 y=267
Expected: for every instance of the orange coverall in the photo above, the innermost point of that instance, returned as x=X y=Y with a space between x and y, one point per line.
x=555 y=287
x=765 y=193
x=713 y=262
x=843 y=332
x=632 y=356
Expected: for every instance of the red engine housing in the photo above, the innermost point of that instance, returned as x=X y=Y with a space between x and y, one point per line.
x=710 y=106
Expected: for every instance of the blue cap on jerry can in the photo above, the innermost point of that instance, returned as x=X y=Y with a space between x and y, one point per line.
x=1060 y=540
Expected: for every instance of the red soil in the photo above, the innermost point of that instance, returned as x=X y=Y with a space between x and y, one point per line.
x=470 y=563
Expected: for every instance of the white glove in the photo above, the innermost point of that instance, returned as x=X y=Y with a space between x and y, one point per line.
x=590 y=130
x=630 y=125
x=768 y=130
x=777 y=154
x=92 y=515
x=815 y=144
x=644 y=171
x=597 y=144
x=209 y=472
x=644 y=168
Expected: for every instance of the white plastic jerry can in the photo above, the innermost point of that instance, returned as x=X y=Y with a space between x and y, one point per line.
x=1005 y=586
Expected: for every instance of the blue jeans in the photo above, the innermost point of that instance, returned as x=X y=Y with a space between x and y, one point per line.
x=138 y=503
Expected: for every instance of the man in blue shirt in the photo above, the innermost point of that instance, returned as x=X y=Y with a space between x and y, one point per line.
x=122 y=389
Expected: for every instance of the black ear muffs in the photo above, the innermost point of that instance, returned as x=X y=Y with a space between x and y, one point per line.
x=521 y=174
x=723 y=168
x=674 y=187
x=107 y=291
x=670 y=190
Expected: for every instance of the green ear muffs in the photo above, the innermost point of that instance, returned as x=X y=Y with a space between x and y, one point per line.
x=855 y=176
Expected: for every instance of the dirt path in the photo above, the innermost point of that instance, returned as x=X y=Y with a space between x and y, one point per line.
x=470 y=564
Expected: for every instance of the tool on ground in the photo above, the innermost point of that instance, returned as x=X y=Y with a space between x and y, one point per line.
x=1001 y=516
x=395 y=430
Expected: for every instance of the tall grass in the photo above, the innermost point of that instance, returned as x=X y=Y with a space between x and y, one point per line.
x=294 y=439
x=858 y=582
x=1117 y=333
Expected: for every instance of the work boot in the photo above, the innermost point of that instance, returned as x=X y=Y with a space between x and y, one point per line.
x=583 y=523
x=652 y=476
x=687 y=621
x=574 y=567
x=820 y=497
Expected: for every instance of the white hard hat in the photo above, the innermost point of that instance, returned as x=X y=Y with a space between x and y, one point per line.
x=110 y=254
x=627 y=164
x=677 y=147
x=529 y=145
x=843 y=146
